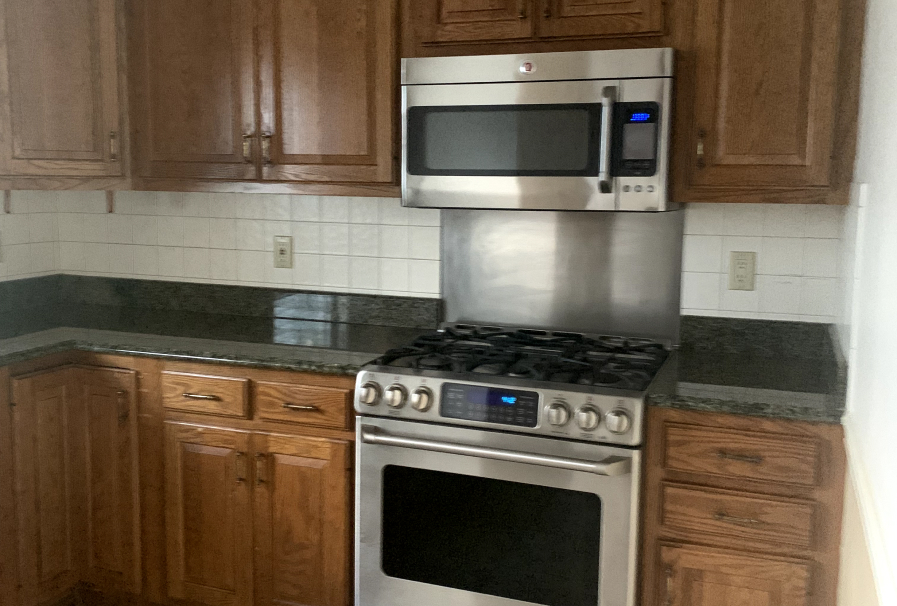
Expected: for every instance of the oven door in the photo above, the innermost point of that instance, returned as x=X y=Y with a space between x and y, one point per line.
x=532 y=145
x=453 y=516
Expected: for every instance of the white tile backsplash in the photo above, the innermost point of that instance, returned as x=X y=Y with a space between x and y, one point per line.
x=373 y=245
x=797 y=246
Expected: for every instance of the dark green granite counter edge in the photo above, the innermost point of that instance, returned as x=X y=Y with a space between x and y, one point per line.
x=764 y=410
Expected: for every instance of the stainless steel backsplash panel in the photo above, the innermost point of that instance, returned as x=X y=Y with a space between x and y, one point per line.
x=605 y=273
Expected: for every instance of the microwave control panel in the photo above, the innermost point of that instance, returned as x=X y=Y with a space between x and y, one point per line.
x=636 y=130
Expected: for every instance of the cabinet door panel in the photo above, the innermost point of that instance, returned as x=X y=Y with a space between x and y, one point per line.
x=764 y=93
x=194 y=88
x=705 y=577
x=60 y=113
x=208 y=515
x=303 y=530
x=565 y=18
x=49 y=466
x=471 y=20
x=113 y=513
x=327 y=74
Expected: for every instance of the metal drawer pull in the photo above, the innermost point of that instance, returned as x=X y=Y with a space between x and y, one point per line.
x=612 y=466
x=722 y=516
x=261 y=468
x=241 y=467
x=199 y=396
x=300 y=407
x=755 y=460
x=669 y=574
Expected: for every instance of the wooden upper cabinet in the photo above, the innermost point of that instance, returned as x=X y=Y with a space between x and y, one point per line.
x=193 y=89
x=758 y=94
x=59 y=88
x=328 y=77
x=694 y=576
x=303 y=521
x=447 y=21
x=208 y=514
x=567 y=18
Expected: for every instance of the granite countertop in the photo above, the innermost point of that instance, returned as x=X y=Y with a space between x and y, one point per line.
x=784 y=370
x=288 y=330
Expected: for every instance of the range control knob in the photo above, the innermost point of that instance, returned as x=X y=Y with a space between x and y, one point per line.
x=369 y=394
x=421 y=399
x=618 y=421
x=396 y=395
x=588 y=418
x=558 y=414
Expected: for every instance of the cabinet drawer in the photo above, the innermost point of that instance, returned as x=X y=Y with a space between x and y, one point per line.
x=204 y=394
x=743 y=517
x=304 y=404
x=753 y=456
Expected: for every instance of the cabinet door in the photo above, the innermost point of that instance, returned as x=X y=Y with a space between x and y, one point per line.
x=48 y=451
x=448 y=21
x=208 y=514
x=59 y=101
x=193 y=83
x=113 y=514
x=594 y=18
x=328 y=75
x=694 y=576
x=757 y=94
x=303 y=526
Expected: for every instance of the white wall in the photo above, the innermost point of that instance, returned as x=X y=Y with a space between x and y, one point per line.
x=28 y=237
x=869 y=322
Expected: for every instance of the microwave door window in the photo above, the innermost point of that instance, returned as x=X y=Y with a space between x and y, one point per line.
x=505 y=140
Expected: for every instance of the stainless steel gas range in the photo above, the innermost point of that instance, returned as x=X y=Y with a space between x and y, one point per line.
x=501 y=467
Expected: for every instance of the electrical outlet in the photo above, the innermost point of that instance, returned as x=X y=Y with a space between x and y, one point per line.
x=742 y=270
x=283 y=252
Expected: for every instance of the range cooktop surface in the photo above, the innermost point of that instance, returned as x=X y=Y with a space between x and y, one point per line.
x=557 y=357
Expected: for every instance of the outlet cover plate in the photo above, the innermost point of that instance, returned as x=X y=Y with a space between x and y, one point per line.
x=283 y=252
x=742 y=270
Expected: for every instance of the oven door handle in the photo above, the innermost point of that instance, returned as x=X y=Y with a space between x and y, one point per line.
x=612 y=466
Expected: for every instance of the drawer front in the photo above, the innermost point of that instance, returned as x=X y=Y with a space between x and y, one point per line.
x=746 y=518
x=205 y=394
x=304 y=404
x=752 y=456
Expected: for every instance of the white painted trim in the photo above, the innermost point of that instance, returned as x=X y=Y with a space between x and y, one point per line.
x=883 y=570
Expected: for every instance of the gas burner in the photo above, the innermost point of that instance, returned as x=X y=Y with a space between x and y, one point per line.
x=534 y=355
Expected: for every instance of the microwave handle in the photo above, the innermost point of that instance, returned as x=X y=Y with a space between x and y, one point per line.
x=612 y=466
x=608 y=98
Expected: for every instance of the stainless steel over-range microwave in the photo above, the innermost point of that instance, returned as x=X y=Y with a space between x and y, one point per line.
x=547 y=131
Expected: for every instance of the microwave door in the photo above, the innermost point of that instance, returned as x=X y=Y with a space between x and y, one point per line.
x=529 y=146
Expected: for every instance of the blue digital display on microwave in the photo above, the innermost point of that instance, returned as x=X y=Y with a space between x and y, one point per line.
x=640 y=117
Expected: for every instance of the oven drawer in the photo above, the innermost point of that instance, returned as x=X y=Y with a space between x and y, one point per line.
x=205 y=394
x=304 y=404
x=746 y=518
x=752 y=456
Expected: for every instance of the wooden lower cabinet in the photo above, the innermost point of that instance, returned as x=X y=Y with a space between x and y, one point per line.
x=76 y=496
x=302 y=520
x=257 y=518
x=697 y=576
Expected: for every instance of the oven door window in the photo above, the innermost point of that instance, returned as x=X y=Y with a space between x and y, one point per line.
x=516 y=541
x=505 y=140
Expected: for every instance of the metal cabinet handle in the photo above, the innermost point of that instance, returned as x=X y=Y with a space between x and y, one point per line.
x=669 y=574
x=247 y=148
x=722 y=516
x=261 y=468
x=266 y=148
x=612 y=466
x=608 y=97
x=547 y=12
x=124 y=408
x=241 y=467
x=741 y=458
x=521 y=9
x=200 y=396
x=113 y=146
x=702 y=135
x=300 y=407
